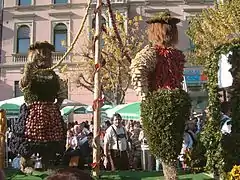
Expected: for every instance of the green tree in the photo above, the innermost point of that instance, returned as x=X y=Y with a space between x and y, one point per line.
x=216 y=31
x=115 y=72
x=213 y=27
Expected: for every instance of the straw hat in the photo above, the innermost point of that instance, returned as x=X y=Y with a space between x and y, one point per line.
x=164 y=18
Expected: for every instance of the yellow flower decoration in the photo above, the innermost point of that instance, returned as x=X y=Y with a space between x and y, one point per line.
x=235 y=173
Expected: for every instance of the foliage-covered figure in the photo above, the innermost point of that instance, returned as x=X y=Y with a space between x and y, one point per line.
x=40 y=127
x=157 y=75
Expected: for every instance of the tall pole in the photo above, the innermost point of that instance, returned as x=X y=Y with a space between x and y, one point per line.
x=96 y=150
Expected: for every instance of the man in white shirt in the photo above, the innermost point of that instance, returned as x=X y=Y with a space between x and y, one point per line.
x=116 y=145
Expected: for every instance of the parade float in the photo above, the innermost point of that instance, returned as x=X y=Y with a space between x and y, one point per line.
x=157 y=76
x=40 y=127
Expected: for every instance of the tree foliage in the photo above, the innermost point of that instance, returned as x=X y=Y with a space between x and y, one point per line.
x=213 y=27
x=115 y=72
x=216 y=31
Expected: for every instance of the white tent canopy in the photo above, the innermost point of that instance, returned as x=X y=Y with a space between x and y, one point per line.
x=20 y=100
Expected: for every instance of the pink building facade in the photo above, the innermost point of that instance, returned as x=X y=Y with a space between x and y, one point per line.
x=57 y=21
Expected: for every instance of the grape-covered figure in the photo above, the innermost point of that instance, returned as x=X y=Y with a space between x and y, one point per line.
x=157 y=76
x=40 y=127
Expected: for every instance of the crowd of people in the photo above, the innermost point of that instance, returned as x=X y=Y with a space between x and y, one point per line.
x=123 y=143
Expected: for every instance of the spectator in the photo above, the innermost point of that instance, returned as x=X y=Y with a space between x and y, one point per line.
x=91 y=126
x=116 y=145
x=107 y=124
x=87 y=126
x=189 y=138
x=226 y=121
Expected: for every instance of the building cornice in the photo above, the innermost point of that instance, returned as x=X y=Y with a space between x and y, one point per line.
x=112 y=2
x=11 y=65
x=197 y=2
x=192 y=10
x=61 y=14
x=152 y=11
x=24 y=16
x=114 y=5
x=156 y=2
x=170 y=2
x=46 y=7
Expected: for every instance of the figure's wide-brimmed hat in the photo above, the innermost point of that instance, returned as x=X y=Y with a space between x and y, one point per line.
x=42 y=45
x=164 y=18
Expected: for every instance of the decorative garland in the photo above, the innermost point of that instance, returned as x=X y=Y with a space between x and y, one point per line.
x=211 y=135
x=119 y=40
x=169 y=70
x=208 y=30
x=219 y=146
x=231 y=143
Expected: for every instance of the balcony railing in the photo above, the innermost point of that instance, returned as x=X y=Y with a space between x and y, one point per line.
x=112 y=1
x=22 y=58
x=19 y=58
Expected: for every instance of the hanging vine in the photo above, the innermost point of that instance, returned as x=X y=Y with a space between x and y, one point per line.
x=119 y=40
x=216 y=31
x=231 y=143
x=211 y=135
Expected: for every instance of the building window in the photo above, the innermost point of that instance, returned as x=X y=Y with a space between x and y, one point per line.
x=24 y=2
x=104 y=23
x=60 y=37
x=17 y=91
x=60 y=1
x=23 y=39
x=191 y=44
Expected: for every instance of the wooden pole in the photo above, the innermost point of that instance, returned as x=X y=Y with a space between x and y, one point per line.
x=3 y=129
x=97 y=89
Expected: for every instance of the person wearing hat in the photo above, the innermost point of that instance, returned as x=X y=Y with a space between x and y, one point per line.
x=157 y=76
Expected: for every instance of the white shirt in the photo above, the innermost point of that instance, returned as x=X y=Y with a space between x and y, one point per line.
x=74 y=142
x=111 y=138
x=225 y=78
x=227 y=125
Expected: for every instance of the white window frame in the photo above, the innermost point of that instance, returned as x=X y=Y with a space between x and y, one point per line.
x=90 y=19
x=187 y=19
x=18 y=25
x=68 y=2
x=93 y=16
x=32 y=3
x=108 y=20
x=68 y=24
